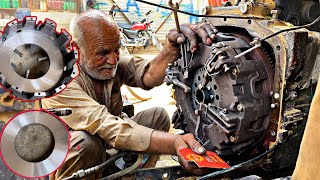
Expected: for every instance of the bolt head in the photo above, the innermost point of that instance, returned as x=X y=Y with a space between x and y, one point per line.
x=272 y=133
x=234 y=71
x=209 y=88
x=240 y=107
x=196 y=112
x=232 y=139
x=275 y=12
x=243 y=7
x=225 y=110
x=276 y=95
x=211 y=96
x=273 y=106
x=165 y=176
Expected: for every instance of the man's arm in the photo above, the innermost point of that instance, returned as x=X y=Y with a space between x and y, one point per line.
x=88 y=115
x=171 y=51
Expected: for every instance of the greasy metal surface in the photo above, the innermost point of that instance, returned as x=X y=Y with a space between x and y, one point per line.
x=235 y=94
x=294 y=56
x=299 y=12
x=258 y=8
x=25 y=168
x=34 y=142
x=25 y=46
x=166 y=173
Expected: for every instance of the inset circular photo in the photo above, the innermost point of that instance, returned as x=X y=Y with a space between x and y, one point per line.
x=34 y=143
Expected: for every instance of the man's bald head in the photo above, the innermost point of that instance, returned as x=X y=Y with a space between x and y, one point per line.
x=92 y=23
x=99 y=41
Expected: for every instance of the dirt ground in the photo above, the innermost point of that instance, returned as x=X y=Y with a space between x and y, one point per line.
x=157 y=97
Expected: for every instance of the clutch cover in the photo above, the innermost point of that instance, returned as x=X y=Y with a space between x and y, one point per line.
x=36 y=61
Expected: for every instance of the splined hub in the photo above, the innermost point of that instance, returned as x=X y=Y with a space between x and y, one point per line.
x=228 y=106
x=36 y=61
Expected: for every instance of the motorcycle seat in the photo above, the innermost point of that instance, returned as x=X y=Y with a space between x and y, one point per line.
x=130 y=33
x=124 y=25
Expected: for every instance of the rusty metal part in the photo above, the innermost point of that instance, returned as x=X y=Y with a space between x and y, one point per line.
x=236 y=104
x=171 y=77
x=299 y=12
x=258 y=8
x=175 y=13
x=293 y=53
x=36 y=60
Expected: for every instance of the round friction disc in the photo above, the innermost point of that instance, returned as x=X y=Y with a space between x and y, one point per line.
x=34 y=143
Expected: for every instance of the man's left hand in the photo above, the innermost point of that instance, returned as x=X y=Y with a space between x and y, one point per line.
x=205 y=31
x=188 y=141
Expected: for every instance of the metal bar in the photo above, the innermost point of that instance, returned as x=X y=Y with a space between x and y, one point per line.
x=166 y=19
x=197 y=15
x=121 y=11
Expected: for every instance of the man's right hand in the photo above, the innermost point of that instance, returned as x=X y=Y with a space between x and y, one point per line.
x=188 y=141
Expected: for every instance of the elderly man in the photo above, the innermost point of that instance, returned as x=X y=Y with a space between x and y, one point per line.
x=97 y=121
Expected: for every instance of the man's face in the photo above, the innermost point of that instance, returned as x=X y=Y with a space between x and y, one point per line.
x=101 y=52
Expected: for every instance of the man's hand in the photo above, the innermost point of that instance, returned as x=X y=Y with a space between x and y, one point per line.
x=171 y=52
x=167 y=143
x=188 y=141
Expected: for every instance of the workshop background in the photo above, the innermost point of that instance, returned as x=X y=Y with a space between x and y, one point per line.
x=62 y=11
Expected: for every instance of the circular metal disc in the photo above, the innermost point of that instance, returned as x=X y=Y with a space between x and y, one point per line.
x=9 y=136
x=49 y=80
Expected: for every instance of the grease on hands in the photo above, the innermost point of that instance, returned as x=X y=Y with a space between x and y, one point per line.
x=188 y=141
x=205 y=31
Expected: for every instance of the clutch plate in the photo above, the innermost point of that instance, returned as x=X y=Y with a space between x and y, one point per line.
x=36 y=61
x=34 y=143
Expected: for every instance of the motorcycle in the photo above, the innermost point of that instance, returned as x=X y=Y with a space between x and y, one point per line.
x=137 y=34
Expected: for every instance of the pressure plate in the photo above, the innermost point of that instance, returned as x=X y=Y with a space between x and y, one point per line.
x=36 y=61
x=34 y=143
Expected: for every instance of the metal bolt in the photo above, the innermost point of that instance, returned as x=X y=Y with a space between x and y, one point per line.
x=243 y=7
x=235 y=71
x=165 y=176
x=276 y=95
x=271 y=93
x=275 y=14
x=274 y=105
x=292 y=95
x=240 y=107
x=225 y=111
x=226 y=68
x=197 y=112
x=211 y=96
x=232 y=139
x=200 y=86
x=209 y=88
x=272 y=133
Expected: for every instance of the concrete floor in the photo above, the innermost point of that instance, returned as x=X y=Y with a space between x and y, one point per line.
x=159 y=97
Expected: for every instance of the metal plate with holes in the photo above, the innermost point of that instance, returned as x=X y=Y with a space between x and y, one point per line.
x=34 y=143
x=36 y=61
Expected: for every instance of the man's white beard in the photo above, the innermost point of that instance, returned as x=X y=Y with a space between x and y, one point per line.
x=95 y=72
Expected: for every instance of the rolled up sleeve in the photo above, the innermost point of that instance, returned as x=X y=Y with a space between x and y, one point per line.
x=88 y=115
